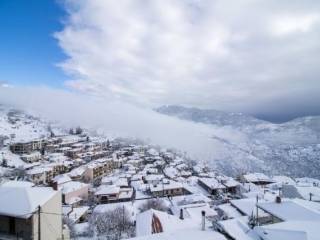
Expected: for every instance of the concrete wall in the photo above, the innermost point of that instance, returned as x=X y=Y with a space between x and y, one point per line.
x=50 y=219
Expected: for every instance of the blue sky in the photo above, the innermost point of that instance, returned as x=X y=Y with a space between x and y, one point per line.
x=28 y=51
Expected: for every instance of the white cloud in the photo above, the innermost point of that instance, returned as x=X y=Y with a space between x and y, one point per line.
x=217 y=54
x=284 y=25
x=117 y=119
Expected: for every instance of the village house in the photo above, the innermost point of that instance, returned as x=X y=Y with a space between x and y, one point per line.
x=73 y=192
x=69 y=140
x=60 y=179
x=77 y=173
x=211 y=185
x=27 y=147
x=232 y=186
x=98 y=169
x=257 y=179
x=89 y=156
x=57 y=168
x=167 y=188
x=113 y=193
x=63 y=150
x=291 y=219
x=26 y=212
x=73 y=152
x=31 y=157
x=153 y=178
x=75 y=214
x=40 y=175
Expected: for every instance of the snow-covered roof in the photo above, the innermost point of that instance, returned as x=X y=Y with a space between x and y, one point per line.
x=77 y=171
x=305 y=191
x=22 y=202
x=191 y=198
x=17 y=184
x=125 y=193
x=238 y=229
x=314 y=206
x=39 y=170
x=73 y=200
x=230 y=182
x=194 y=211
x=60 y=179
x=247 y=206
x=168 y=222
x=107 y=190
x=72 y=186
x=290 y=230
x=33 y=154
x=306 y=180
x=77 y=213
x=153 y=177
x=229 y=210
x=212 y=183
x=257 y=177
x=284 y=180
x=289 y=210
x=183 y=235
x=153 y=152
x=171 y=172
x=165 y=186
x=121 y=182
x=108 y=179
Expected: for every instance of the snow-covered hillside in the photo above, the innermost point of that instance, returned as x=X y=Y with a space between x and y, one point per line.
x=291 y=148
x=21 y=127
x=17 y=126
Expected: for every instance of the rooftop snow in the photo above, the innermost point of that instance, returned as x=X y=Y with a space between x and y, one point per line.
x=23 y=201
x=289 y=210
x=183 y=235
x=68 y=187
x=257 y=177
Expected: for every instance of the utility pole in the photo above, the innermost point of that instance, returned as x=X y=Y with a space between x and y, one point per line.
x=257 y=210
x=122 y=218
x=39 y=223
x=162 y=188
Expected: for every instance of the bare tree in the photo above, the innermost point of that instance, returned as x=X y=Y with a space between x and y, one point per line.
x=190 y=162
x=156 y=204
x=4 y=162
x=79 y=131
x=112 y=225
x=70 y=225
x=71 y=131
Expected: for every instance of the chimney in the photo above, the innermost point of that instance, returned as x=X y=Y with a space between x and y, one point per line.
x=181 y=214
x=55 y=186
x=278 y=199
x=203 y=221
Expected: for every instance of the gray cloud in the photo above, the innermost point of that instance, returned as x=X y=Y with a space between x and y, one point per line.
x=259 y=57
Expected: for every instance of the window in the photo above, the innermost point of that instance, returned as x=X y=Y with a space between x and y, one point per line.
x=12 y=225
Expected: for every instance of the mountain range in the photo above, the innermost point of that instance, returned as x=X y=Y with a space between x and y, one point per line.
x=291 y=148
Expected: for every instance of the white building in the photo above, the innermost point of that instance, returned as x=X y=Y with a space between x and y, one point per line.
x=26 y=212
